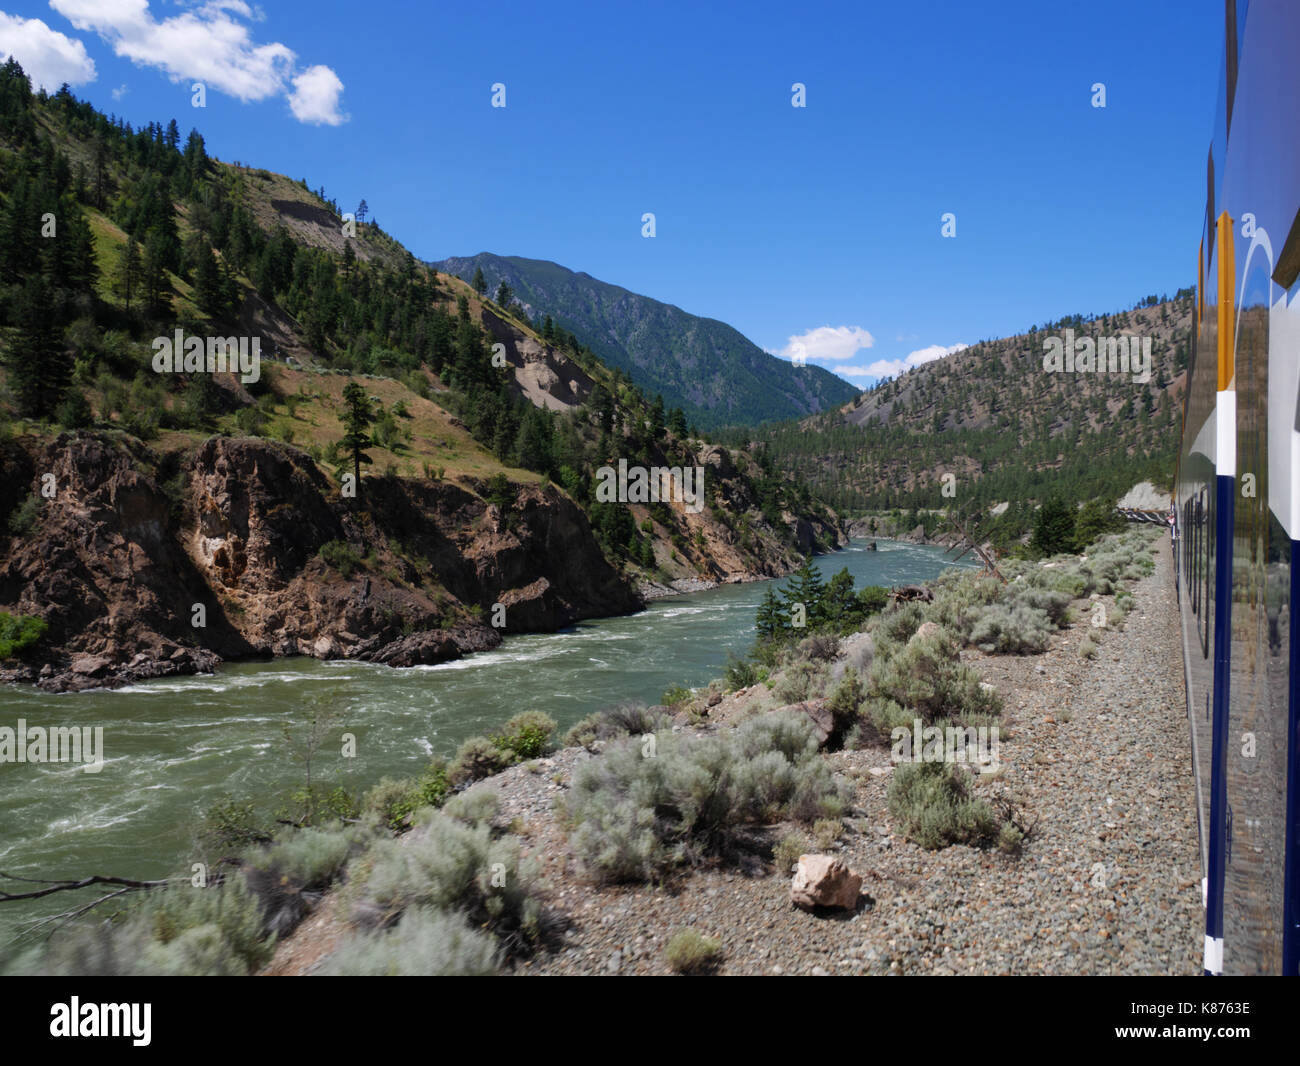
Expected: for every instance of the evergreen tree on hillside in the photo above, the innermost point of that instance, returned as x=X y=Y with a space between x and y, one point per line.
x=677 y=423
x=805 y=587
x=480 y=282
x=657 y=418
x=504 y=295
x=209 y=290
x=357 y=420
x=769 y=620
x=1053 y=528
x=130 y=271
x=38 y=366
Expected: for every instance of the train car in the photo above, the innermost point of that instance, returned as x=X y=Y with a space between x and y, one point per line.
x=1237 y=500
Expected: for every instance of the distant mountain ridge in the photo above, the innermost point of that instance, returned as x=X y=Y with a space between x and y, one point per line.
x=706 y=367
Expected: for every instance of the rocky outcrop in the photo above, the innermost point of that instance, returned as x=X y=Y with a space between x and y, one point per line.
x=250 y=551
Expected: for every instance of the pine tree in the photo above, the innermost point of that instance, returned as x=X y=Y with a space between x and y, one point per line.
x=357 y=419
x=208 y=288
x=130 y=271
x=657 y=418
x=769 y=620
x=480 y=282
x=504 y=295
x=38 y=367
x=805 y=587
x=1053 y=528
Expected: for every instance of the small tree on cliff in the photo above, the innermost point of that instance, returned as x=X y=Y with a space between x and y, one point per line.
x=357 y=419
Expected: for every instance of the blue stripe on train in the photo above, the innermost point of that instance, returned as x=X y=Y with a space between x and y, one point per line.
x=1291 y=877
x=1225 y=500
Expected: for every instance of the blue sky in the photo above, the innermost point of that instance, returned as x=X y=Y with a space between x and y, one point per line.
x=819 y=225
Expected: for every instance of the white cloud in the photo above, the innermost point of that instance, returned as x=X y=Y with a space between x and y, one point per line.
x=883 y=368
x=120 y=92
x=827 y=343
x=315 y=97
x=209 y=44
x=49 y=57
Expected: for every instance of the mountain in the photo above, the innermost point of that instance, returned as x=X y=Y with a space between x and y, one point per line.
x=134 y=491
x=1010 y=433
x=715 y=374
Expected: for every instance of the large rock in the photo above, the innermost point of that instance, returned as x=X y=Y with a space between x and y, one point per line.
x=824 y=881
x=1144 y=496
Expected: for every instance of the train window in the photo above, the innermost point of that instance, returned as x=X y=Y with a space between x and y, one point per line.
x=1209 y=206
x=1288 y=263
x=1200 y=300
x=1230 y=18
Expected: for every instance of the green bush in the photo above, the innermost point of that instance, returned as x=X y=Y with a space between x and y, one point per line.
x=339 y=555
x=931 y=803
x=627 y=719
x=690 y=953
x=928 y=677
x=475 y=759
x=800 y=682
x=877 y=719
x=291 y=875
x=19 y=632
x=450 y=865
x=393 y=801
x=899 y=623
x=425 y=943
x=634 y=817
x=676 y=695
x=1019 y=629
x=26 y=515
x=526 y=736
x=178 y=931
x=1053 y=603
x=787 y=852
x=739 y=673
x=74 y=412
x=230 y=826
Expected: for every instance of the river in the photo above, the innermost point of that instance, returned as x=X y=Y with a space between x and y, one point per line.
x=174 y=747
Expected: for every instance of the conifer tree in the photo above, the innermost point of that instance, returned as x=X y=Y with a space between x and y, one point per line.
x=357 y=419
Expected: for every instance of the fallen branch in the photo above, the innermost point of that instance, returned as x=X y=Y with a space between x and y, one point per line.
x=72 y=884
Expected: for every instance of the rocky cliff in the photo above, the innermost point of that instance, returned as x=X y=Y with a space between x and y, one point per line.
x=145 y=564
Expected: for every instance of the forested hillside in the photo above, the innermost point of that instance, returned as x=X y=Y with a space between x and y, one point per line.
x=113 y=239
x=713 y=372
x=1008 y=431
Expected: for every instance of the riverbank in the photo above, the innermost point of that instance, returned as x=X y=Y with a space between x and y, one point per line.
x=1094 y=756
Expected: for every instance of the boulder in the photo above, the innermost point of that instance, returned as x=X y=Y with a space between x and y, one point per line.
x=419 y=649
x=90 y=665
x=824 y=881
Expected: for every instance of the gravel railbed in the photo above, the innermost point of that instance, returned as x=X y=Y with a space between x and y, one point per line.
x=1094 y=753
